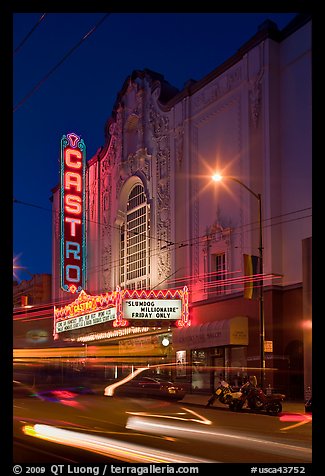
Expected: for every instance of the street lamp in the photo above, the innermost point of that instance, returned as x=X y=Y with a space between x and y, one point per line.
x=218 y=178
x=23 y=268
x=24 y=299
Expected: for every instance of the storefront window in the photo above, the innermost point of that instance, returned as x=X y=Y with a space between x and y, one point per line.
x=181 y=363
x=200 y=372
x=218 y=363
x=236 y=364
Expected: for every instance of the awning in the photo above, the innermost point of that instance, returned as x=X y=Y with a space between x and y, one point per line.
x=212 y=334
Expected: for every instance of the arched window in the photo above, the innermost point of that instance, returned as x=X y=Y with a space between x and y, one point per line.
x=135 y=243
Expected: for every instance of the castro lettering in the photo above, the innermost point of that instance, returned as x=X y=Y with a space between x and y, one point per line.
x=73 y=159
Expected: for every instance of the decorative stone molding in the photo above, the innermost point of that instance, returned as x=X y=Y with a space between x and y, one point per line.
x=255 y=84
x=158 y=122
x=93 y=190
x=139 y=111
x=218 y=240
x=255 y=99
x=138 y=162
x=116 y=139
x=195 y=207
x=104 y=214
x=106 y=271
x=105 y=232
x=161 y=139
x=216 y=89
x=217 y=232
x=179 y=145
x=222 y=106
x=104 y=168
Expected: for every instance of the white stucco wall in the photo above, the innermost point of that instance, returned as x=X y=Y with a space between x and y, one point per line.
x=252 y=121
x=296 y=149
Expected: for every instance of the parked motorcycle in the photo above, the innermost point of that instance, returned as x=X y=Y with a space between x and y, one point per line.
x=224 y=393
x=257 y=400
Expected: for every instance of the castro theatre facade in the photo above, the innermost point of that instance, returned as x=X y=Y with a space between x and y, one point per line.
x=143 y=231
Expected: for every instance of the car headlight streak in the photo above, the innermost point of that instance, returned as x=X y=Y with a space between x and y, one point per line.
x=123 y=451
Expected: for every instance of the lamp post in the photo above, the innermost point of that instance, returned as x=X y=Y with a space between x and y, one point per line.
x=218 y=178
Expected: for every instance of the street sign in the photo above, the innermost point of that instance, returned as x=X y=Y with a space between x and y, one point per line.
x=268 y=346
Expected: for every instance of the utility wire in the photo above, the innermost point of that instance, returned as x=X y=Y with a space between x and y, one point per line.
x=191 y=241
x=199 y=240
x=66 y=56
x=29 y=34
x=31 y=205
x=106 y=225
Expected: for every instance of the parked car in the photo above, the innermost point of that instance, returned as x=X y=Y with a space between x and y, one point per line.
x=158 y=387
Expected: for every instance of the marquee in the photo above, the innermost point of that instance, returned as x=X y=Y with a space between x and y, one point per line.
x=123 y=307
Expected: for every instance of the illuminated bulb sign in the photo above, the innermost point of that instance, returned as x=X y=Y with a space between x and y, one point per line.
x=85 y=311
x=120 y=306
x=163 y=309
x=92 y=319
x=73 y=238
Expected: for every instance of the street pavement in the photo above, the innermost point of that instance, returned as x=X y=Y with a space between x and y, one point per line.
x=202 y=399
x=195 y=399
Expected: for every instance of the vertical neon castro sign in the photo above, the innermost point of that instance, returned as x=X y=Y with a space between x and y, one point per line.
x=73 y=234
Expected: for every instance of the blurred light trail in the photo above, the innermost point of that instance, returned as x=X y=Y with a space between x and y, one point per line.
x=109 y=351
x=198 y=433
x=109 y=390
x=201 y=419
x=123 y=451
x=300 y=418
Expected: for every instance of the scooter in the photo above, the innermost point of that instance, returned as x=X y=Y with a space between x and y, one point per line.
x=224 y=393
x=257 y=400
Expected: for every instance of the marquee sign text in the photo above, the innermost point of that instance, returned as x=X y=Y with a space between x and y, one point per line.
x=164 y=309
x=86 y=320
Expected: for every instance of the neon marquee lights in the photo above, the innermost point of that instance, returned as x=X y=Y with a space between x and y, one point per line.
x=73 y=238
x=168 y=304
x=92 y=319
x=84 y=304
x=124 y=331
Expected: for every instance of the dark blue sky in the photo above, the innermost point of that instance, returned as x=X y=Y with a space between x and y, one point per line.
x=53 y=95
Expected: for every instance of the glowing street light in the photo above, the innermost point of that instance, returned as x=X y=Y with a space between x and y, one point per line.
x=24 y=270
x=217 y=178
x=24 y=299
x=16 y=266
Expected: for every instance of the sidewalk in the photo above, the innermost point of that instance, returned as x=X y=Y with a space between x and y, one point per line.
x=190 y=398
x=201 y=400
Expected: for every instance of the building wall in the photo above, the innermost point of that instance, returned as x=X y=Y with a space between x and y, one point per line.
x=56 y=291
x=32 y=323
x=296 y=149
x=250 y=119
x=37 y=289
x=307 y=315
